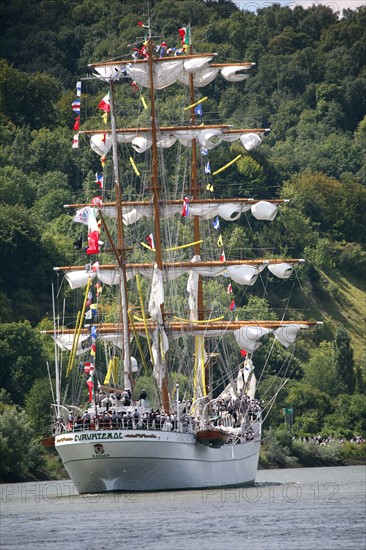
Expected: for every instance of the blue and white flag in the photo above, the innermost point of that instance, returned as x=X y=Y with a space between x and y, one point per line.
x=207 y=168
x=198 y=110
x=78 y=89
x=216 y=223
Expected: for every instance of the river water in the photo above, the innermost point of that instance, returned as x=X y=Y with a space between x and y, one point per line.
x=304 y=508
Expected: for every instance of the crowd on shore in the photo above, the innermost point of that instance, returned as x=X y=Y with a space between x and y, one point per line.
x=319 y=440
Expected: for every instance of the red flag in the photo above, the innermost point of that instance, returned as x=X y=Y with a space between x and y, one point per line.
x=75 y=141
x=87 y=368
x=104 y=104
x=97 y=201
x=222 y=257
x=77 y=123
x=93 y=245
x=243 y=352
x=232 y=305
x=185 y=207
x=150 y=240
x=90 y=384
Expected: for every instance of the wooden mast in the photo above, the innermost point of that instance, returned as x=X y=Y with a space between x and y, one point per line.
x=120 y=256
x=155 y=199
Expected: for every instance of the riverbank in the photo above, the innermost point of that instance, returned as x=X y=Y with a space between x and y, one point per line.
x=281 y=451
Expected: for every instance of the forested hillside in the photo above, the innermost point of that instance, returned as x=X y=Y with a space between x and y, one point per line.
x=308 y=86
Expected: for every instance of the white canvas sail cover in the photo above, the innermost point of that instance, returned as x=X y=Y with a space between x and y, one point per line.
x=101 y=143
x=78 y=279
x=168 y=71
x=107 y=72
x=282 y=271
x=250 y=141
x=232 y=211
x=141 y=140
x=156 y=296
x=228 y=211
x=192 y=289
x=265 y=211
x=248 y=337
x=166 y=141
x=210 y=138
x=109 y=276
x=244 y=274
x=141 y=144
x=160 y=347
x=65 y=342
x=194 y=64
x=249 y=378
x=233 y=73
x=125 y=137
x=202 y=78
x=287 y=335
x=165 y=73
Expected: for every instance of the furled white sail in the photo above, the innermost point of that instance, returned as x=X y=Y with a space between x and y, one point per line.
x=286 y=335
x=228 y=211
x=241 y=273
x=101 y=143
x=248 y=338
x=65 y=342
x=249 y=378
x=192 y=289
x=141 y=139
x=160 y=347
x=156 y=295
x=244 y=274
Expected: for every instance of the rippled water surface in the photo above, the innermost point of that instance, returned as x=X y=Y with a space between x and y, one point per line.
x=307 y=508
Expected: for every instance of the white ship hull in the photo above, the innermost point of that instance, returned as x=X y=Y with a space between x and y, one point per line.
x=144 y=460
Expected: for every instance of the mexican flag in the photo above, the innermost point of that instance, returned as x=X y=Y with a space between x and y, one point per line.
x=185 y=34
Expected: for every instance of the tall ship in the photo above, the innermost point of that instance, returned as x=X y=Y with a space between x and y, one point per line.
x=153 y=262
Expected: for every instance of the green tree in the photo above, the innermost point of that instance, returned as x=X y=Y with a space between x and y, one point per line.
x=306 y=400
x=22 y=359
x=24 y=261
x=27 y=99
x=349 y=416
x=344 y=361
x=21 y=457
x=321 y=372
x=15 y=187
x=38 y=406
